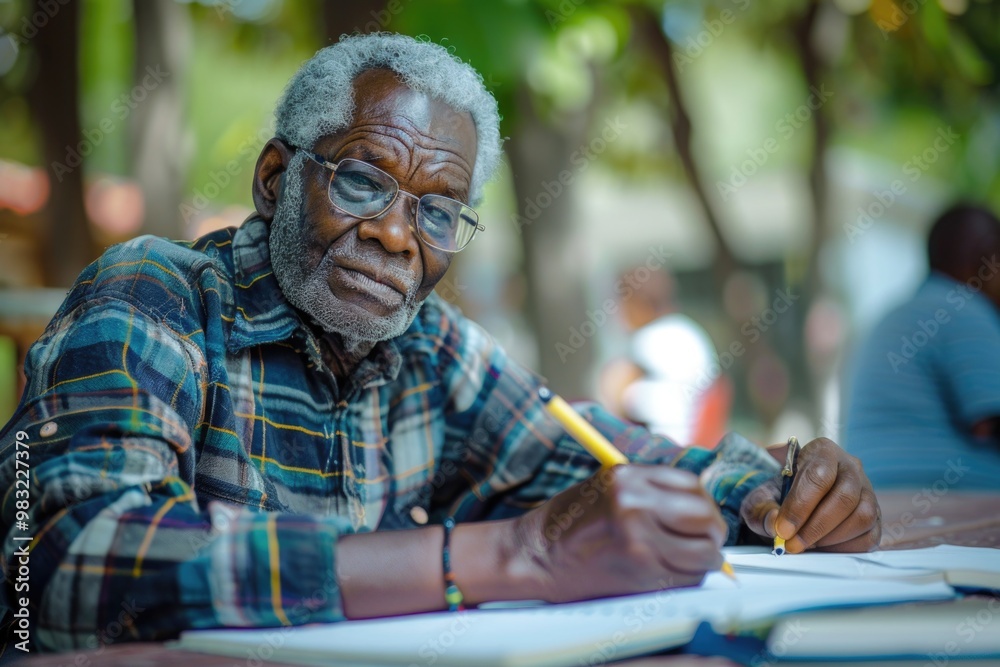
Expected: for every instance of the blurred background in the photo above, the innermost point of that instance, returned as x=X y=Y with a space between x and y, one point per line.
x=767 y=169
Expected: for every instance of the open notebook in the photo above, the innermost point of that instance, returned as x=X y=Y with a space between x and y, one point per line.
x=599 y=631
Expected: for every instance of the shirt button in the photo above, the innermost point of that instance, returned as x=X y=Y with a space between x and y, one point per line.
x=48 y=429
x=419 y=515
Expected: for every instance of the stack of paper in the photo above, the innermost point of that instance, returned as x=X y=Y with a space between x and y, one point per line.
x=937 y=634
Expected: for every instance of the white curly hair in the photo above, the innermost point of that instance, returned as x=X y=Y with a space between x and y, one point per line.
x=319 y=98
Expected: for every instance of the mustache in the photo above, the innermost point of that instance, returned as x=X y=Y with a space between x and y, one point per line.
x=376 y=263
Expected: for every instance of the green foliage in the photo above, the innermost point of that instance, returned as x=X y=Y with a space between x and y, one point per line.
x=237 y=73
x=556 y=59
x=500 y=39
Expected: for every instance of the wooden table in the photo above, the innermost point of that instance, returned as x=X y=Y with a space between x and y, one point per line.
x=910 y=520
x=924 y=519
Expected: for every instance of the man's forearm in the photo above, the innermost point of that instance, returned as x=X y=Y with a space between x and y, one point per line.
x=400 y=572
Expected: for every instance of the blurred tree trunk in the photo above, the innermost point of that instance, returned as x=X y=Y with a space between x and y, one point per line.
x=159 y=158
x=553 y=246
x=812 y=379
x=726 y=262
x=803 y=29
x=67 y=245
x=647 y=23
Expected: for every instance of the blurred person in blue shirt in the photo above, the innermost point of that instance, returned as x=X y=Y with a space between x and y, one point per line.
x=924 y=408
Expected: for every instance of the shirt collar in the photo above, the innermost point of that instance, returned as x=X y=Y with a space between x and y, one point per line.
x=262 y=315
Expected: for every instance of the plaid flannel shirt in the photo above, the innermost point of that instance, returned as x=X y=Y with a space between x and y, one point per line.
x=193 y=460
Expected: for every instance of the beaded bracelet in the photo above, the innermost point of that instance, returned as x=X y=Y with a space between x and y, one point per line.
x=452 y=595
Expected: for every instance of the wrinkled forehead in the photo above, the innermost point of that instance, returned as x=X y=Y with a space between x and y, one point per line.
x=384 y=104
x=408 y=133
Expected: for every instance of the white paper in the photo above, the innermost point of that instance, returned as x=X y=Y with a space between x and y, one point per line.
x=917 y=564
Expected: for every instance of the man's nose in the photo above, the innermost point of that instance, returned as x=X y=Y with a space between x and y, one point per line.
x=396 y=228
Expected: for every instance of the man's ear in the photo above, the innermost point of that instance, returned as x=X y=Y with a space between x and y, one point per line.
x=267 y=179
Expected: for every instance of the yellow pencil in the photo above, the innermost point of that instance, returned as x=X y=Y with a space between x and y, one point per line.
x=779 y=546
x=591 y=439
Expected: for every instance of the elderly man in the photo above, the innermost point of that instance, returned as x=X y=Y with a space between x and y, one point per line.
x=225 y=432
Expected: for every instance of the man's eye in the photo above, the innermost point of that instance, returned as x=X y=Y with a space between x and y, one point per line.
x=437 y=219
x=356 y=182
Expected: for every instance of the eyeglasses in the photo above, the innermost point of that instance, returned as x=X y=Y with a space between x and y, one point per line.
x=364 y=191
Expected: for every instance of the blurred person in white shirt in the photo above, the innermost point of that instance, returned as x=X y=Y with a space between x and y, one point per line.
x=670 y=382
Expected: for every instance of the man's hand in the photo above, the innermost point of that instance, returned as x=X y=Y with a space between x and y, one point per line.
x=628 y=529
x=831 y=505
